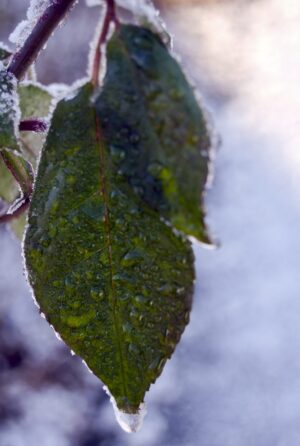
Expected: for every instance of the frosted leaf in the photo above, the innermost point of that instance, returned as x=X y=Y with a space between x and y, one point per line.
x=9 y=111
x=129 y=422
x=145 y=13
x=142 y=8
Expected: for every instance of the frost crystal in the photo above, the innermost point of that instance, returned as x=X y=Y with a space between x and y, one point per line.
x=9 y=110
x=141 y=8
x=129 y=422
x=93 y=2
x=23 y=29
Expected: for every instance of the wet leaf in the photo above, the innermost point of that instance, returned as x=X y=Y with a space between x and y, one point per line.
x=9 y=111
x=113 y=279
x=155 y=128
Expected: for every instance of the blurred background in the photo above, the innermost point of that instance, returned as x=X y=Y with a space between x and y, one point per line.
x=235 y=377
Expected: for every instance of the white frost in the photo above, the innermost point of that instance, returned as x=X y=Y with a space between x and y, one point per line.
x=129 y=422
x=9 y=100
x=23 y=29
x=93 y=2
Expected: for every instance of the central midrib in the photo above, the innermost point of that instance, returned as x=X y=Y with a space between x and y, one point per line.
x=112 y=293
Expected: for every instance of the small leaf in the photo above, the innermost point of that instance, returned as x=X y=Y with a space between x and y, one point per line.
x=155 y=128
x=113 y=279
x=9 y=111
x=18 y=225
x=35 y=101
x=5 y=53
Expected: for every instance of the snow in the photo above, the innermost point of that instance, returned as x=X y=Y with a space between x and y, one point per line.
x=235 y=377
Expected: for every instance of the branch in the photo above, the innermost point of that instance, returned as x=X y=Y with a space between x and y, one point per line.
x=110 y=17
x=41 y=32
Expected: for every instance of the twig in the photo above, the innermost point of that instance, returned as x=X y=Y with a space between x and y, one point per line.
x=33 y=125
x=41 y=32
x=110 y=17
x=17 y=212
x=20 y=169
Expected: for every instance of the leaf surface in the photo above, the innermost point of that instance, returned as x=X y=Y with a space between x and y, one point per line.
x=155 y=127
x=113 y=279
x=35 y=101
x=9 y=111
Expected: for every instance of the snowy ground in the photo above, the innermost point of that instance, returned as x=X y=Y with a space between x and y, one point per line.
x=235 y=378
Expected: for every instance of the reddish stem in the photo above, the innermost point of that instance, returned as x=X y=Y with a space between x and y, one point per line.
x=17 y=212
x=33 y=125
x=41 y=32
x=110 y=17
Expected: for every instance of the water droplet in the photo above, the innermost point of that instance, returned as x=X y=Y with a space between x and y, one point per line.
x=71 y=180
x=140 y=299
x=132 y=258
x=127 y=327
x=117 y=152
x=176 y=94
x=155 y=168
x=134 y=138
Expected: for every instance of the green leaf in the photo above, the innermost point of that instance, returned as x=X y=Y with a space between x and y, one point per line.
x=35 y=101
x=155 y=129
x=4 y=52
x=18 y=225
x=113 y=279
x=8 y=185
x=15 y=185
x=9 y=111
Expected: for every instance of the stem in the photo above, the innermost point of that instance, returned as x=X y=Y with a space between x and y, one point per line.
x=23 y=174
x=33 y=125
x=20 y=169
x=110 y=17
x=41 y=32
x=16 y=212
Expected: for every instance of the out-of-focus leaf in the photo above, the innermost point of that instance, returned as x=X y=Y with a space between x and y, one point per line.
x=113 y=279
x=4 y=52
x=8 y=185
x=18 y=225
x=9 y=111
x=155 y=128
x=15 y=185
x=35 y=101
